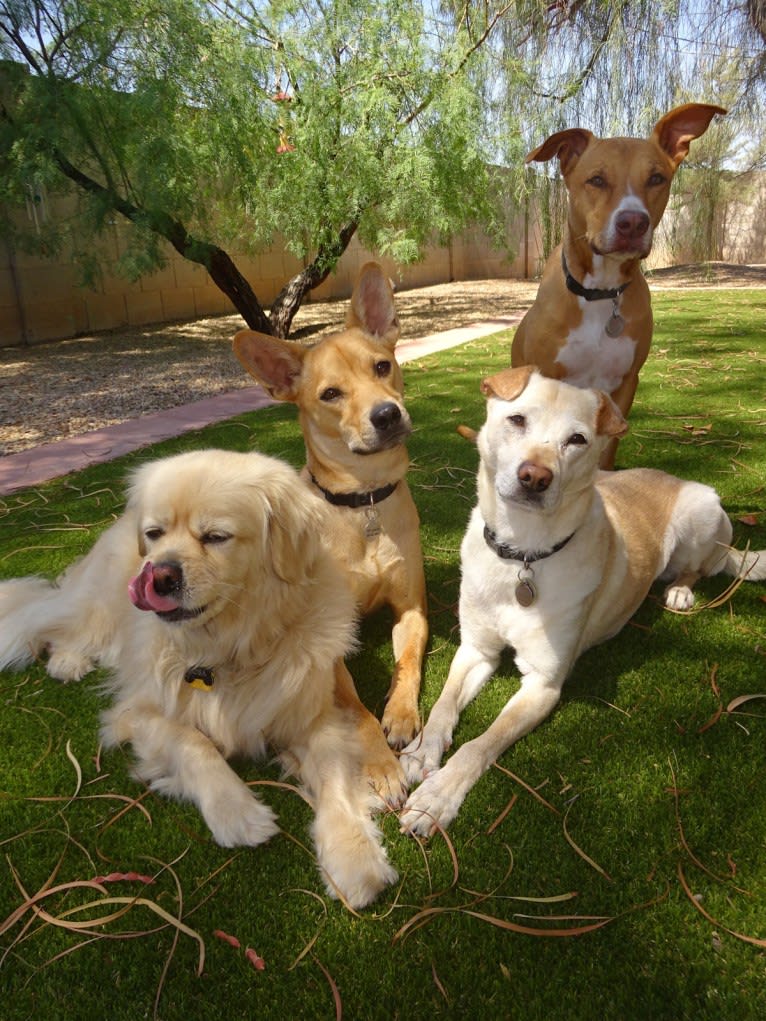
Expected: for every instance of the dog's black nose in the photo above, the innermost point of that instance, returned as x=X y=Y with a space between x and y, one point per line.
x=534 y=477
x=168 y=578
x=386 y=416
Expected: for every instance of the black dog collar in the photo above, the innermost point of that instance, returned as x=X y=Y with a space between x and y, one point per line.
x=506 y=552
x=590 y=293
x=357 y=499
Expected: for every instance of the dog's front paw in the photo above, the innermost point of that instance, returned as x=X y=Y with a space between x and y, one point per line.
x=240 y=820
x=68 y=664
x=399 y=726
x=432 y=806
x=679 y=597
x=386 y=778
x=421 y=757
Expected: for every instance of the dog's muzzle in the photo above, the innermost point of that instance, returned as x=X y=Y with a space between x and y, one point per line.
x=159 y=588
x=391 y=425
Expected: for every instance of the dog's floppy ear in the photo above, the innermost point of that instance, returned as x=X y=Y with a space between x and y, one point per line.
x=568 y=145
x=295 y=522
x=372 y=306
x=677 y=129
x=609 y=420
x=508 y=384
x=276 y=364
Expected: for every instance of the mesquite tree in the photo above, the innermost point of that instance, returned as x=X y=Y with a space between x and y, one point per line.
x=218 y=126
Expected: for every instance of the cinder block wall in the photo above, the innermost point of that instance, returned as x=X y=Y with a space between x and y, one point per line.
x=42 y=300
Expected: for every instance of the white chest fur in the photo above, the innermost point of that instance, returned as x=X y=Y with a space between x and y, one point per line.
x=593 y=359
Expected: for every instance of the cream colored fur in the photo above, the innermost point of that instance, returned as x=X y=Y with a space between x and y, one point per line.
x=275 y=619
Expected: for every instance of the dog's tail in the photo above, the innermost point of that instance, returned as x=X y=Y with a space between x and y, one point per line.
x=748 y=564
x=24 y=604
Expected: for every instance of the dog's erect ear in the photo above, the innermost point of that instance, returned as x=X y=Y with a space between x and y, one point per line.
x=609 y=420
x=276 y=364
x=568 y=145
x=674 y=132
x=508 y=384
x=372 y=306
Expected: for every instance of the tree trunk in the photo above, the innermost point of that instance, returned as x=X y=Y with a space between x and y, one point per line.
x=288 y=301
x=216 y=261
x=219 y=264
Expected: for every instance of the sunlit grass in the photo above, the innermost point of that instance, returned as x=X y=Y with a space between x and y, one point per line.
x=634 y=815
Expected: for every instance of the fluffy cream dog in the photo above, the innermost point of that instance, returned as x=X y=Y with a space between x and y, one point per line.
x=224 y=621
x=556 y=558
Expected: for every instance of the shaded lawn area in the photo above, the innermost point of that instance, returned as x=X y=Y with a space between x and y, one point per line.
x=639 y=804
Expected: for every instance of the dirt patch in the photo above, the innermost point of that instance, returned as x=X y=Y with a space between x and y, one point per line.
x=58 y=390
x=708 y=274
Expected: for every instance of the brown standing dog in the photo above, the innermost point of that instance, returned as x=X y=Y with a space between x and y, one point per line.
x=591 y=322
x=348 y=388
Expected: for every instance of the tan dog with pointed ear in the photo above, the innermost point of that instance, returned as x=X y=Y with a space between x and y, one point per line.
x=557 y=557
x=348 y=388
x=591 y=322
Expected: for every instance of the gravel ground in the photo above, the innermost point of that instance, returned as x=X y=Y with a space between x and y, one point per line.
x=62 y=389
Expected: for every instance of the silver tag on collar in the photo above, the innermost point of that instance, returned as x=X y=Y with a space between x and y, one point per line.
x=525 y=591
x=615 y=324
x=372 y=527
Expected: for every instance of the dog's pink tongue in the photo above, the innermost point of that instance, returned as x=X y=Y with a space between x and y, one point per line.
x=144 y=595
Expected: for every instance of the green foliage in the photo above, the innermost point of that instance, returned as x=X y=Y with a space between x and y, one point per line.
x=181 y=109
x=645 y=773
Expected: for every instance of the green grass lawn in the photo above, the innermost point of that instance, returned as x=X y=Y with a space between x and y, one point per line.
x=641 y=803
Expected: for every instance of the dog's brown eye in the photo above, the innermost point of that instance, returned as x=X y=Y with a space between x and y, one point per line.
x=518 y=420
x=332 y=393
x=214 y=538
x=152 y=534
x=382 y=369
x=597 y=181
x=577 y=440
x=656 y=179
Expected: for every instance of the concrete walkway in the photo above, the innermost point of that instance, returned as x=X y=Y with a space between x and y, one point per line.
x=52 y=460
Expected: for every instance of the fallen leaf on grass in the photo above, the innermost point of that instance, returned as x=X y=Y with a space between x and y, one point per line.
x=118 y=877
x=525 y=930
x=580 y=851
x=748 y=519
x=698 y=430
x=694 y=898
x=231 y=940
x=255 y=959
x=740 y=700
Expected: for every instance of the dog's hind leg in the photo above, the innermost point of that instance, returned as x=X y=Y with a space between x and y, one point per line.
x=701 y=536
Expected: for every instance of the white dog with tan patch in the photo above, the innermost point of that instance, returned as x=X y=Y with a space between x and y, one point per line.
x=557 y=557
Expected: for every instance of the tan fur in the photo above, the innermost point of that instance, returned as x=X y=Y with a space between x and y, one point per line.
x=275 y=620
x=606 y=178
x=345 y=453
x=539 y=485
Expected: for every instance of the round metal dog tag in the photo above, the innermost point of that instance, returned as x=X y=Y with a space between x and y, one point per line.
x=525 y=593
x=615 y=325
